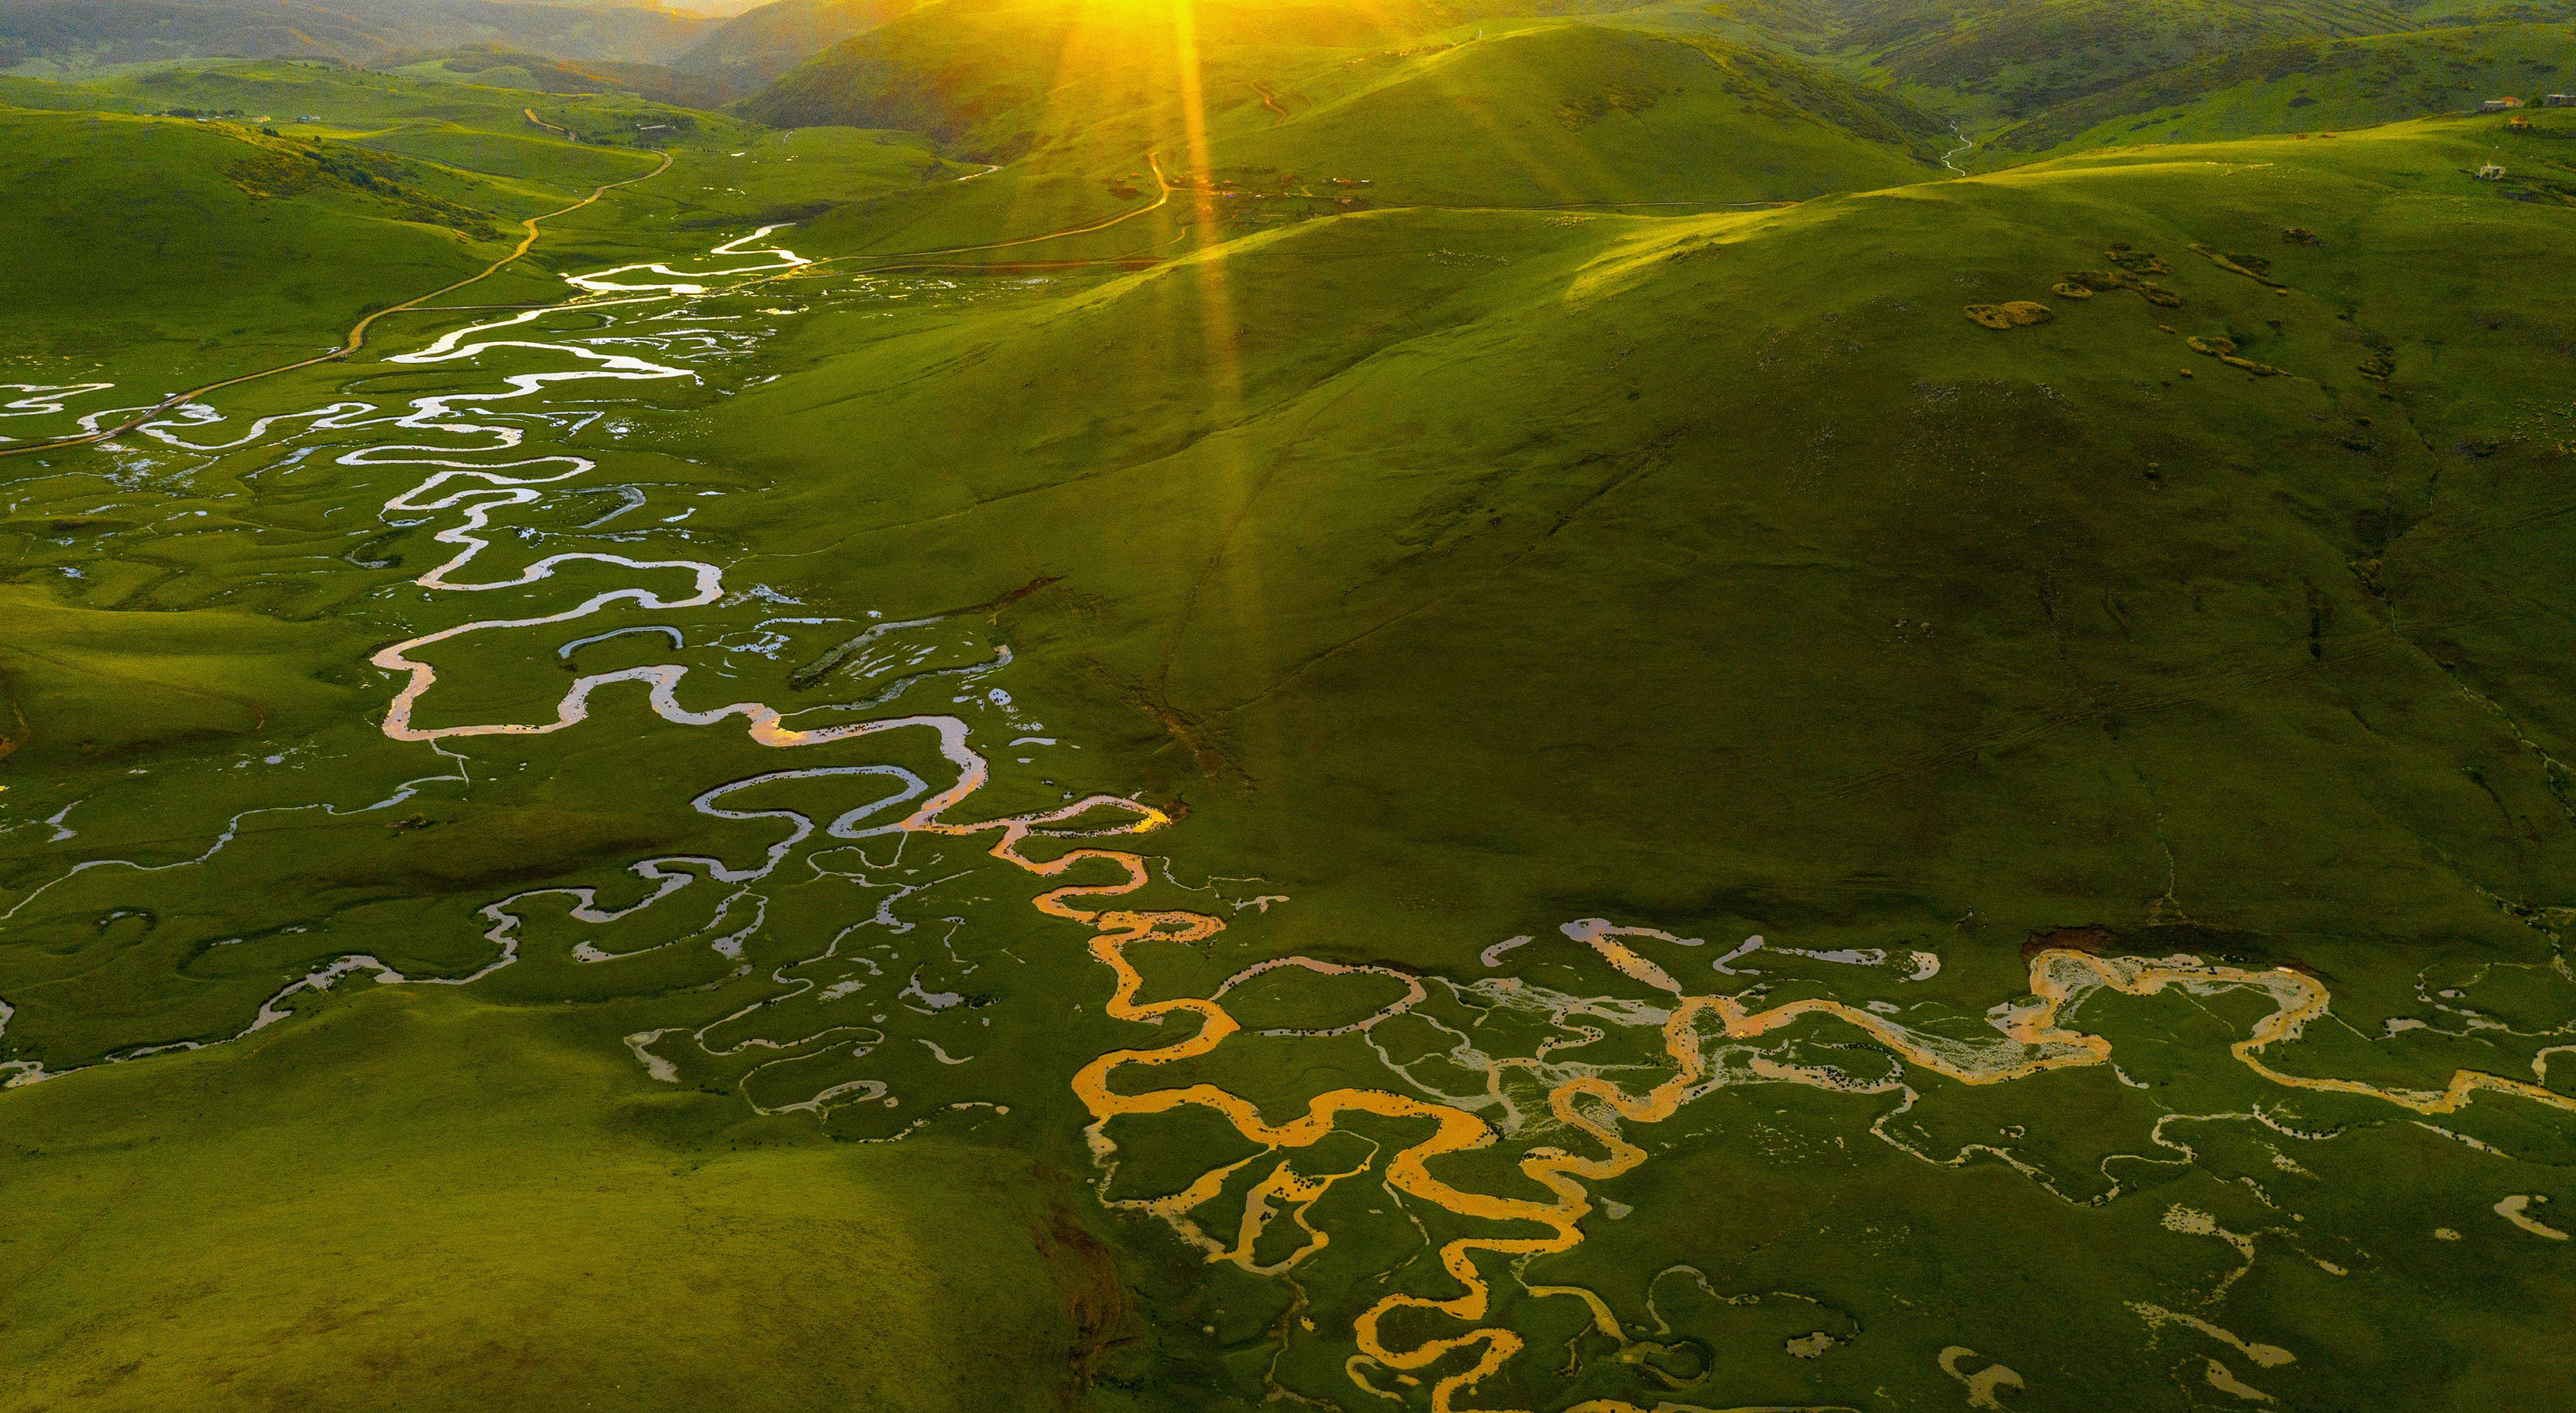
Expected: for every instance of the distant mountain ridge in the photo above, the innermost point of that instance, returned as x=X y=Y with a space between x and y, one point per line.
x=759 y=45
x=77 y=33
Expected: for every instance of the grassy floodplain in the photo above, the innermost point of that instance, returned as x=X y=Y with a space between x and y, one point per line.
x=1627 y=806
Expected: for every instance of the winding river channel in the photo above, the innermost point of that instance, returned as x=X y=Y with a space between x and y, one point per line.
x=457 y=456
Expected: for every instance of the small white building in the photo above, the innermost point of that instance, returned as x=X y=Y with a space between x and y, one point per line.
x=2498 y=105
x=2490 y=173
x=2559 y=100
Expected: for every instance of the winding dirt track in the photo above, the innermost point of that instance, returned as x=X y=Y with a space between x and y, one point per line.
x=532 y=228
x=1162 y=198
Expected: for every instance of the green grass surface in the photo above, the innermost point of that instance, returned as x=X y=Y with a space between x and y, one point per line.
x=343 y=99
x=1449 y=573
x=422 y=1200
x=1578 y=114
x=2015 y=58
x=1528 y=116
x=144 y=251
x=1378 y=501
x=496 y=66
x=2316 y=87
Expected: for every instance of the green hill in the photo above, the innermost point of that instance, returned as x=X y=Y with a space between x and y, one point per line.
x=2024 y=55
x=2017 y=57
x=1001 y=77
x=350 y=101
x=2060 y=675
x=1539 y=115
x=2007 y=562
x=2314 y=86
x=506 y=68
x=258 y=238
x=1478 y=570
x=1580 y=113
x=227 y=248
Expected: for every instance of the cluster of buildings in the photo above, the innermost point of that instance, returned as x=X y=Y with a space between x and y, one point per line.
x=2554 y=100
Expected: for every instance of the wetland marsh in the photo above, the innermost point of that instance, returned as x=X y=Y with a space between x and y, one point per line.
x=853 y=770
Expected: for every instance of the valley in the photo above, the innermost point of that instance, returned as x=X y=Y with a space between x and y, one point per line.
x=1119 y=706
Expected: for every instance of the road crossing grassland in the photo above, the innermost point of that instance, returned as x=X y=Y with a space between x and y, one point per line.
x=531 y=228
x=531 y=231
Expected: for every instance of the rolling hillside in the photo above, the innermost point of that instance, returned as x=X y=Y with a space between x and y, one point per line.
x=2314 y=86
x=2014 y=58
x=1129 y=707
x=1001 y=77
x=2083 y=544
x=75 y=34
x=1536 y=115
x=207 y=217
x=1475 y=570
x=338 y=97
x=258 y=237
x=495 y=65
x=1585 y=114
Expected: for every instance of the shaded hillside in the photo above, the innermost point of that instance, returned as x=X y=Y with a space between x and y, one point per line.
x=1536 y=115
x=2016 y=57
x=1002 y=77
x=2025 y=55
x=1682 y=553
x=999 y=77
x=1584 y=114
x=759 y=45
x=2315 y=85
